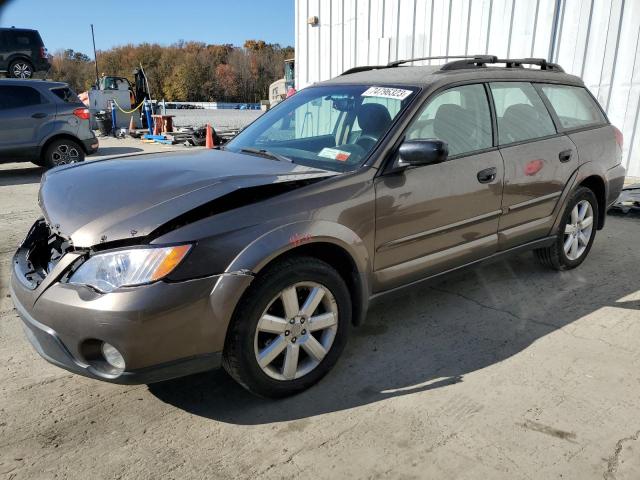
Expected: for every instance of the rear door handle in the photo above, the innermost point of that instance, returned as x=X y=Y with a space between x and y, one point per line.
x=565 y=155
x=487 y=175
x=39 y=115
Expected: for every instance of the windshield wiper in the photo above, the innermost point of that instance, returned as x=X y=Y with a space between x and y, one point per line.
x=267 y=154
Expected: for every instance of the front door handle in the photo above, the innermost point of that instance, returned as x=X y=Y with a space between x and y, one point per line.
x=565 y=155
x=487 y=175
x=39 y=115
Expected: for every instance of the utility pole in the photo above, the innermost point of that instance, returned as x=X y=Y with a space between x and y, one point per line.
x=95 y=56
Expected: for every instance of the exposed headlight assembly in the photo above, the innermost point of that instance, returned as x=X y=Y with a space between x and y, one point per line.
x=126 y=268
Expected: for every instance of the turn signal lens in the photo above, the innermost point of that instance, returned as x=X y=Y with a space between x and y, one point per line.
x=170 y=262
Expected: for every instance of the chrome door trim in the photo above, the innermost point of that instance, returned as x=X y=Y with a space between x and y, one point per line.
x=533 y=201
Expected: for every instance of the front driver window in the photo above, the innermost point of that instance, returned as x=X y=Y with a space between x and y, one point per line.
x=459 y=116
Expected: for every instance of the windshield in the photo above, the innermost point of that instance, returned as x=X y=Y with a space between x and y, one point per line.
x=332 y=127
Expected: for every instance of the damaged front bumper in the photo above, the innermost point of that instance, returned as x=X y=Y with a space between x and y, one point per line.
x=162 y=330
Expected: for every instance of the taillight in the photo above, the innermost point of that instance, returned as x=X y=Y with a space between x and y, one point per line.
x=619 y=137
x=43 y=52
x=82 y=113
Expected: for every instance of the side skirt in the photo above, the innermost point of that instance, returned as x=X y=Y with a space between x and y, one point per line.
x=541 y=243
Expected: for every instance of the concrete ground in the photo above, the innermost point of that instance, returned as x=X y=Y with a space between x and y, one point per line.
x=506 y=372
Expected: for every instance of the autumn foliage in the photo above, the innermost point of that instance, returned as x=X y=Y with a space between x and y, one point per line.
x=184 y=71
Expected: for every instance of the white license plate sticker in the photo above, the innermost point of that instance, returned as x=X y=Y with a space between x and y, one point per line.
x=386 y=92
x=334 y=154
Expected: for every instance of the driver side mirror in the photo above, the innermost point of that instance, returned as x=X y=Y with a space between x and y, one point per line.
x=414 y=153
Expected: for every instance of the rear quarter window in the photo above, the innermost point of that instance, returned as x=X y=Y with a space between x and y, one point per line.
x=20 y=39
x=66 y=95
x=573 y=106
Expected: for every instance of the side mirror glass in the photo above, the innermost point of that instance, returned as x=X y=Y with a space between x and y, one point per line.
x=414 y=153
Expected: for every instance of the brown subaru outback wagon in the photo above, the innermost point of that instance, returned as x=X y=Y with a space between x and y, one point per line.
x=259 y=256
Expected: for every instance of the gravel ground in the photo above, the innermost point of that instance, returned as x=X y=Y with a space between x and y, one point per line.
x=217 y=118
x=510 y=371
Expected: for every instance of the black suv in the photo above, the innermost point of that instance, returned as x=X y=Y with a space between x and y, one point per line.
x=22 y=53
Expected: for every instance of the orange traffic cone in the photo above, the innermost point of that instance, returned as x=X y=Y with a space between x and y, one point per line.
x=132 y=124
x=210 y=143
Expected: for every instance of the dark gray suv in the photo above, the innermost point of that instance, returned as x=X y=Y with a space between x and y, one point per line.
x=260 y=256
x=22 y=53
x=44 y=123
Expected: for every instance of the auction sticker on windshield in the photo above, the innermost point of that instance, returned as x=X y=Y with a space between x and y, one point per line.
x=334 y=154
x=386 y=92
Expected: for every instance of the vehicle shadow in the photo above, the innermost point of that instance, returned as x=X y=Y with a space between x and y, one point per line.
x=21 y=176
x=425 y=338
x=114 y=151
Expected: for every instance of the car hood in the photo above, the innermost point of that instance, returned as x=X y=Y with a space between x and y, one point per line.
x=128 y=197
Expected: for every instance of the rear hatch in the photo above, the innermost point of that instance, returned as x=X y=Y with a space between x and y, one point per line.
x=70 y=109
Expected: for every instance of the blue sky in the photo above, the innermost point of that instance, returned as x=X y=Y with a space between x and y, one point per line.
x=67 y=24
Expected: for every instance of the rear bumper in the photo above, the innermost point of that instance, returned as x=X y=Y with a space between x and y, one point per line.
x=615 y=180
x=91 y=145
x=42 y=65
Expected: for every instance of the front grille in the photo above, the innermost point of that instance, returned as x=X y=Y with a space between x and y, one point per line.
x=44 y=249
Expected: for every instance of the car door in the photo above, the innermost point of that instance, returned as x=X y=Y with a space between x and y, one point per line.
x=538 y=162
x=24 y=115
x=436 y=217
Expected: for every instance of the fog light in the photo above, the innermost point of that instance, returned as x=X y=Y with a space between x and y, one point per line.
x=113 y=356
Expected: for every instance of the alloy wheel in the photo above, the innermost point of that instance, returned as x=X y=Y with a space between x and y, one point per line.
x=64 y=154
x=578 y=230
x=22 y=70
x=296 y=331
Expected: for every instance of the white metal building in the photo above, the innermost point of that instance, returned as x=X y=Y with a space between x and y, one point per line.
x=596 y=39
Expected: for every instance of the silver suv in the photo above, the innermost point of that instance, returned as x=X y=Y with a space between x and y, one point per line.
x=44 y=123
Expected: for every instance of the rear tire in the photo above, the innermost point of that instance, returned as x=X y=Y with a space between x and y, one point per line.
x=62 y=152
x=20 y=69
x=268 y=348
x=576 y=233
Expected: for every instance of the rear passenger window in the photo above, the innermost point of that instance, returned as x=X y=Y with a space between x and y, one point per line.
x=459 y=116
x=18 y=96
x=574 y=106
x=520 y=112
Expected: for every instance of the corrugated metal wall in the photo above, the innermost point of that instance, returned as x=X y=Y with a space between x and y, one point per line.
x=596 y=39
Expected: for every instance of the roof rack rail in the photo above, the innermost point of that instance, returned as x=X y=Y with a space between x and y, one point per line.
x=443 y=57
x=363 y=68
x=465 y=62
x=481 y=62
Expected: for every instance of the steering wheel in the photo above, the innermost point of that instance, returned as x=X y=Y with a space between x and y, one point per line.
x=366 y=141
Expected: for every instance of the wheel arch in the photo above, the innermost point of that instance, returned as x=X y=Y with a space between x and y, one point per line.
x=19 y=56
x=596 y=184
x=332 y=243
x=59 y=136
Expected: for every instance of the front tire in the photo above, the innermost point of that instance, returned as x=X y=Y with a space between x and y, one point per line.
x=576 y=233
x=289 y=329
x=62 y=152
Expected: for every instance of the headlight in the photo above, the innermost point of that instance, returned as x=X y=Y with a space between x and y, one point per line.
x=108 y=271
